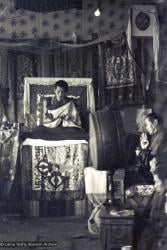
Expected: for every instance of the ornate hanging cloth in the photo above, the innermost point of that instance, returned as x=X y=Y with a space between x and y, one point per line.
x=55 y=172
x=122 y=87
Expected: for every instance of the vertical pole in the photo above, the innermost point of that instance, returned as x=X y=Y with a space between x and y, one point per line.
x=101 y=76
x=95 y=70
x=12 y=71
x=44 y=63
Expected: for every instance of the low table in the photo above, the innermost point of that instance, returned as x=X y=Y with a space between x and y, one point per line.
x=116 y=227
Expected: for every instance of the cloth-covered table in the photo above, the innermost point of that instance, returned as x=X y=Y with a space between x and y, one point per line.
x=54 y=171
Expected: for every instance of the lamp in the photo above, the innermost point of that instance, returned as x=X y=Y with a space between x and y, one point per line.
x=97 y=11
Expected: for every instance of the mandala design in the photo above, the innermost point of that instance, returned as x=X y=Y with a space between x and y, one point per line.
x=32 y=17
x=67 y=33
x=2 y=6
x=122 y=16
x=112 y=1
x=78 y=14
x=56 y=16
x=45 y=23
x=101 y=23
x=22 y=12
x=90 y=6
x=78 y=26
x=67 y=11
x=34 y=30
x=111 y=13
x=66 y=21
x=2 y=18
x=122 y=4
x=122 y=27
x=12 y=10
x=56 y=26
x=22 y=22
x=2 y=30
x=46 y=35
x=13 y=22
x=90 y=31
x=90 y=18
x=112 y=25
x=23 y=34
x=14 y=35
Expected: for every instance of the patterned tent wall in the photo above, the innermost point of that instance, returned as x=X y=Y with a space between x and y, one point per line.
x=66 y=25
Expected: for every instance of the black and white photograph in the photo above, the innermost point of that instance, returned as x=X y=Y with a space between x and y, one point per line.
x=83 y=124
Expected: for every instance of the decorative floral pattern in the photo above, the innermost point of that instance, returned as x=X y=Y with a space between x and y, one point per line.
x=139 y=190
x=113 y=16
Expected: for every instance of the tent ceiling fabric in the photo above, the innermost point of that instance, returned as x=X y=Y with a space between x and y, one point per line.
x=64 y=25
x=47 y=5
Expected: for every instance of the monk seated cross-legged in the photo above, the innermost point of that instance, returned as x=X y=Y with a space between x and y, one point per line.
x=62 y=120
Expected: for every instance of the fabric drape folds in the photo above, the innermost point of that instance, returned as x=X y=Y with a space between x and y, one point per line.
x=47 y=5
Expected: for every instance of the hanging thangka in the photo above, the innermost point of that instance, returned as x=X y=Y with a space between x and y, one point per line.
x=119 y=67
x=120 y=74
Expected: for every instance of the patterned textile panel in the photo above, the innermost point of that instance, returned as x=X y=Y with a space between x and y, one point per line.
x=139 y=190
x=55 y=173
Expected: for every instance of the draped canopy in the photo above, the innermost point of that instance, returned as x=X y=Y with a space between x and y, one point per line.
x=47 y=5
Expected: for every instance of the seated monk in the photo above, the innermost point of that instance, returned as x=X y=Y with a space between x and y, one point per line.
x=61 y=110
x=62 y=121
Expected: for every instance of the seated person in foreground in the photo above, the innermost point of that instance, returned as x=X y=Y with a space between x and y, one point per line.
x=154 y=235
x=62 y=121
